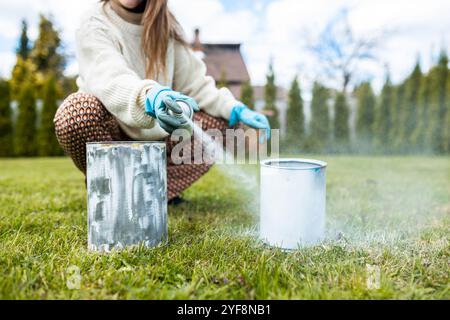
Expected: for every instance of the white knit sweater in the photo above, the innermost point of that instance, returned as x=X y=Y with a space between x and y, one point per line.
x=112 y=68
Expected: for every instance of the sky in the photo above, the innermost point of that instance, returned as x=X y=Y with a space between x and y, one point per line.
x=277 y=30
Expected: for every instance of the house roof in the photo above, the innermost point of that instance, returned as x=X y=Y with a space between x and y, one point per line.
x=226 y=58
x=222 y=58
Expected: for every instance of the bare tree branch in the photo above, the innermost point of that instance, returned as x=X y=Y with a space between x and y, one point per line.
x=339 y=52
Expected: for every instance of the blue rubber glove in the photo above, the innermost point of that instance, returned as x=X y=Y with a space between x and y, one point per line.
x=242 y=113
x=161 y=104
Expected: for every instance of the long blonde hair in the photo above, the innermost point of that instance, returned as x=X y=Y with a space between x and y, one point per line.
x=160 y=25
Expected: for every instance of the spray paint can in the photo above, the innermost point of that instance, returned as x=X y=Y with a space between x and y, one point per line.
x=187 y=110
x=185 y=116
x=292 y=199
x=127 y=194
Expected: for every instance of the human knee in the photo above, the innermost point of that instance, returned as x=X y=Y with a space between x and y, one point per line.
x=78 y=112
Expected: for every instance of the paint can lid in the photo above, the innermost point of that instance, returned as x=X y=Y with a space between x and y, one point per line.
x=293 y=164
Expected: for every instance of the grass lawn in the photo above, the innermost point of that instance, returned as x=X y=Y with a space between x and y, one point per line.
x=387 y=217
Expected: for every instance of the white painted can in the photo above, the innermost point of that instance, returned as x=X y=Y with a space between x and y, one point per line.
x=127 y=194
x=292 y=212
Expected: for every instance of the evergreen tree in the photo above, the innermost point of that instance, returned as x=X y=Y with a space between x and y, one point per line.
x=23 y=49
x=25 y=139
x=398 y=94
x=47 y=142
x=247 y=96
x=223 y=79
x=419 y=134
x=438 y=108
x=295 y=124
x=383 y=122
x=68 y=86
x=341 y=130
x=6 y=128
x=446 y=133
x=407 y=117
x=365 y=117
x=47 y=54
x=320 y=119
x=23 y=71
x=270 y=97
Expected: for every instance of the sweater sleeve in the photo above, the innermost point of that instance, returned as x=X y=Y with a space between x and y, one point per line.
x=190 y=78
x=106 y=75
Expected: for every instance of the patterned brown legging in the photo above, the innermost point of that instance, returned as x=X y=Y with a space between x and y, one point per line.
x=82 y=118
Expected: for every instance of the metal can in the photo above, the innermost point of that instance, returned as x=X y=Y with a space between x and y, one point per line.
x=127 y=194
x=292 y=200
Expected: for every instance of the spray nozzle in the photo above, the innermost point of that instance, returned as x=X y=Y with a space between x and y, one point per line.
x=178 y=108
x=178 y=115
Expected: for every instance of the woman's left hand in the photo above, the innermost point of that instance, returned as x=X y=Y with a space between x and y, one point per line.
x=241 y=113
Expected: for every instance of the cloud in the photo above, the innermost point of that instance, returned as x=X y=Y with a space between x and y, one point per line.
x=419 y=28
x=66 y=15
x=268 y=29
x=216 y=24
x=7 y=61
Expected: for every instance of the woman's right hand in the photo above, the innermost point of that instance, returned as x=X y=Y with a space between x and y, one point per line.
x=162 y=104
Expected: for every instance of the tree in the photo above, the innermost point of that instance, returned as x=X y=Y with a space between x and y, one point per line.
x=47 y=54
x=423 y=110
x=247 y=96
x=398 y=94
x=295 y=124
x=383 y=121
x=223 y=79
x=340 y=52
x=446 y=144
x=6 y=128
x=270 y=97
x=365 y=116
x=320 y=119
x=341 y=130
x=438 y=108
x=47 y=142
x=25 y=142
x=23 y=71
x=23 y=49
x=69 y=86
x=407 y=117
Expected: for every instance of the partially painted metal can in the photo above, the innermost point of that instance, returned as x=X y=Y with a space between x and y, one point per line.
x=293 y=193
x=127 y=194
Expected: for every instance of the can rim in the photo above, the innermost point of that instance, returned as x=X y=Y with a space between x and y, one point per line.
x=126 y=142
x=318 y=163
